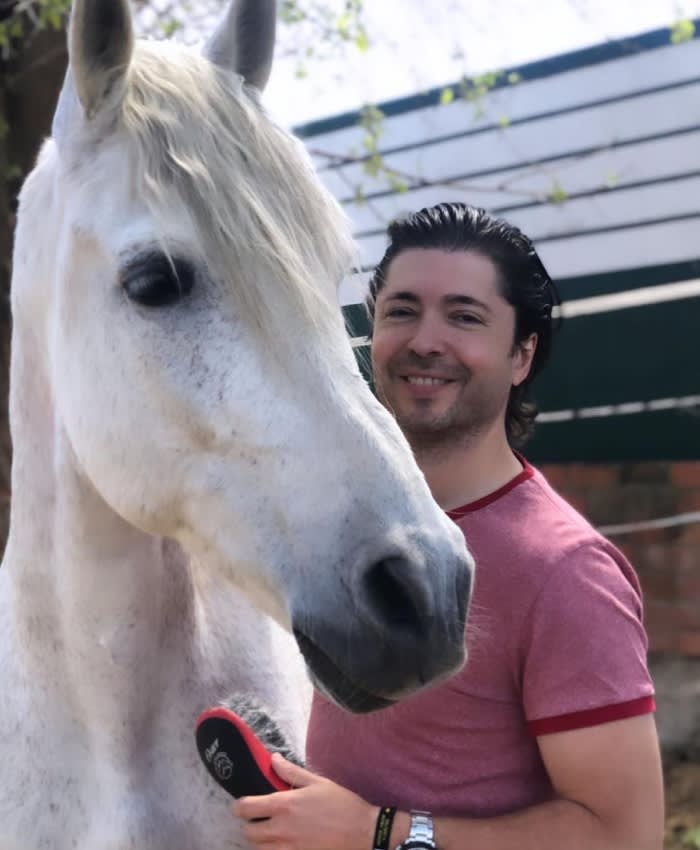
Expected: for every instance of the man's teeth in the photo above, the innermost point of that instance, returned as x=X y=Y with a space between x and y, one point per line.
x=426 y=381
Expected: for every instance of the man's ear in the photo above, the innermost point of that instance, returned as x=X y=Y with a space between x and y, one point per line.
x=523 y=355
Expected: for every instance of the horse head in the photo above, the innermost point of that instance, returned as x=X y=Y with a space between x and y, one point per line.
x=197 y=363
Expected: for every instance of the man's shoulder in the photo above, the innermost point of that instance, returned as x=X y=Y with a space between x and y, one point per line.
x=533 y=515
x=536 y=531
x=569 y=536
x=571 y=547
x=553 y=511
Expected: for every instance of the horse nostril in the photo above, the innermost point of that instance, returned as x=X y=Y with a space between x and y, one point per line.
x=397 y=594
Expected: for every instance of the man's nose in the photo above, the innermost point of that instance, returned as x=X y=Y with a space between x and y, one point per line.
x=428 y=339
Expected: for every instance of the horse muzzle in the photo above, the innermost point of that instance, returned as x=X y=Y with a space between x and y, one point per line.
x=395 y=635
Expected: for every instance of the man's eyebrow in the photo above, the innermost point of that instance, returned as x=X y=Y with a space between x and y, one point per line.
x=404 y=295
x=466 y=301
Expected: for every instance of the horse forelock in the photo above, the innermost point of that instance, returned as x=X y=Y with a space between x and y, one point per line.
x=264 y=223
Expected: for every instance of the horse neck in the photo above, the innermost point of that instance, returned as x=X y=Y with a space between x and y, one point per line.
x=100 y=612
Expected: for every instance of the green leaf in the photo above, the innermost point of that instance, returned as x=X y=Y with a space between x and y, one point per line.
x=51 y=13
x=369 y=142
x=398 y=184
x=514 y=77
x=682 y=31
x=557 y=194
x=447 y=96
x=16 y=28
x=692 y=838
x=370 y=115
x=171 y=26
x=362 y=41
x=487 y=81
x=612 y=180
x=54 y=19
x=503 y=122
x=343 y=24
x=373 y=165
x=359 y=197
x=290 y=13
x=13 y=172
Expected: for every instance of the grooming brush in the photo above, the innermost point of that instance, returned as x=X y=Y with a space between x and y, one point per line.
x=233 y=753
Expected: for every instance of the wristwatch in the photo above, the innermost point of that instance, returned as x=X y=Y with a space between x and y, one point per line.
x=421 y=833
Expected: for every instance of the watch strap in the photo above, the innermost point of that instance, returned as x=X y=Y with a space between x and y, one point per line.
x=421 y=827
x=421 y=835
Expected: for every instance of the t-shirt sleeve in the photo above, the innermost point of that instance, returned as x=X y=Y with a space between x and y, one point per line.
x=584 y=645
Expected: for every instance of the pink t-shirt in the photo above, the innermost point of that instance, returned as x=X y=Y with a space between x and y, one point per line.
x=555 y=642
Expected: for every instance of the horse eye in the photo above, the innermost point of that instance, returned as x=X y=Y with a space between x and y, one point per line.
x=157 y=281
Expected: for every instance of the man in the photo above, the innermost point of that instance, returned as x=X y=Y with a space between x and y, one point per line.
x=546 y=739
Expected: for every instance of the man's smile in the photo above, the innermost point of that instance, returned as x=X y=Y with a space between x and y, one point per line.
x=425 y=380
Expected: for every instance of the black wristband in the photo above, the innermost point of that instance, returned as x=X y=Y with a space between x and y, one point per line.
x=382 y=832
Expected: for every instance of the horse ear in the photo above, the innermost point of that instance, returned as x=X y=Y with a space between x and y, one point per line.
x=245 y=40
x=100 y=44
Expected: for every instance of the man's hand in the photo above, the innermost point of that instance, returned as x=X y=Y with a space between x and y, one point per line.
x=316 y=814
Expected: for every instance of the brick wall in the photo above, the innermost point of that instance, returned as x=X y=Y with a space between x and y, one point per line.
x=667 y=560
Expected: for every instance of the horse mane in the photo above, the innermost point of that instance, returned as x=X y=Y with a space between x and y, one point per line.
x=249 y=186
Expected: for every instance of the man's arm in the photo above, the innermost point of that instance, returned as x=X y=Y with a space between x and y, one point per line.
x=609 y=783
x=610 y=797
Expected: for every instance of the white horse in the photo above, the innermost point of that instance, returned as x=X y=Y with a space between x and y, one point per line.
x=200 y=474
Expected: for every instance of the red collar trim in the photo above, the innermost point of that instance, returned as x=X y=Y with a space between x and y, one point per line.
x=469 y=508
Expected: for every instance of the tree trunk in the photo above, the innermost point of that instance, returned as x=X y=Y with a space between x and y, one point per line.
x=29 y=85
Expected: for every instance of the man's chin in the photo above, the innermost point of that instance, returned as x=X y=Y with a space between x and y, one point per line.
x=427 y=416
x=422 y=431
x=423 y=419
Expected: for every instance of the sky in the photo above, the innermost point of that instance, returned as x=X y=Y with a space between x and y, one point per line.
x=419 y=44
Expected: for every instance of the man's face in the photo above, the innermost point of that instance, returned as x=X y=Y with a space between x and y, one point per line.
x=442 y=350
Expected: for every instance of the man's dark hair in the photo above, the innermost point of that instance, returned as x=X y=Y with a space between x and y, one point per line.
x=525 y=283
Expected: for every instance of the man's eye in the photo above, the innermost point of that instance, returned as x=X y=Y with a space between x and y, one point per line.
x=158 y=281
x=467 y=319
x=398 y=313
